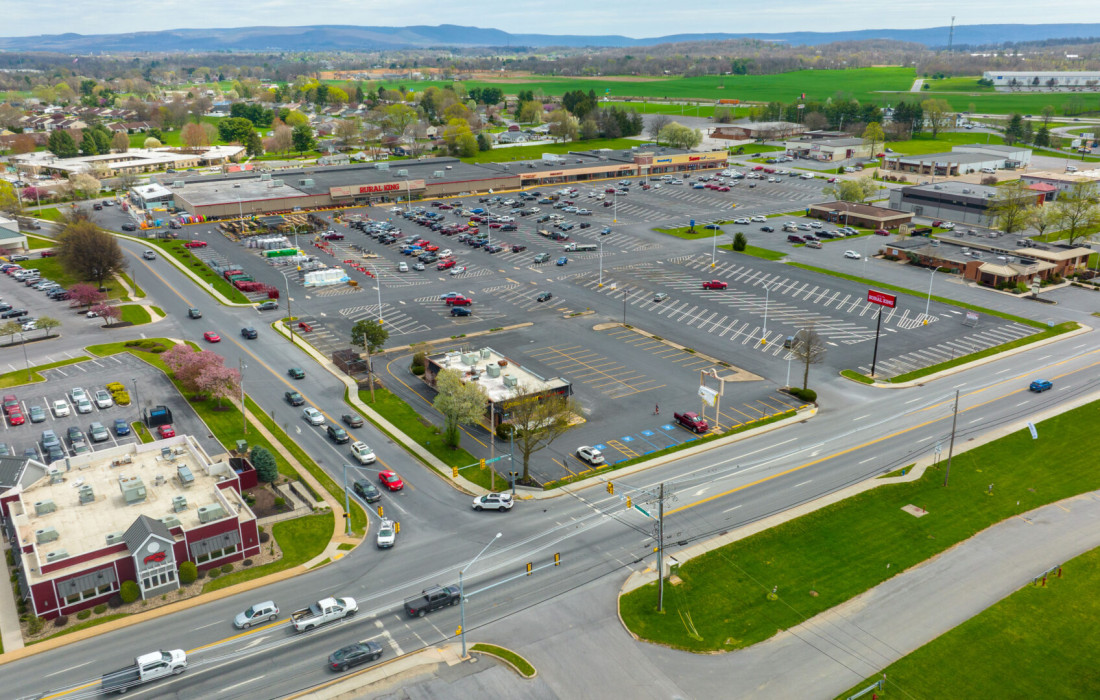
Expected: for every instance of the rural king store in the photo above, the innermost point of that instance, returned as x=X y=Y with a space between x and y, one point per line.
x=616 y=164
x=380 y=192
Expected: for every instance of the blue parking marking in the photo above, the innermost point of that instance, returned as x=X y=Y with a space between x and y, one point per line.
x=654 y=446
x=627 y=439
x=668 y=426
x=647 y=433
x=601 y=447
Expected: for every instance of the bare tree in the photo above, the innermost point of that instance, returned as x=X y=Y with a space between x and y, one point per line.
x=809 y=348
x=88 y=252
x=1011 y=211
x=120 y=142
x=537 y=421
x=656 y=124
x=1078 y=211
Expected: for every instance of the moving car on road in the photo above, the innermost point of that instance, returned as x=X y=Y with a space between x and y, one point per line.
x=391 y=480
x=312 y=415
x=354 y=654
x=494 y=501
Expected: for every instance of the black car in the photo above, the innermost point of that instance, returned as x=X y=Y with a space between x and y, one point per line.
x=294 y=398
x=338 y=434
x=545 y=296
x=129 y=227
x=767 y=229
x=518 y=248
x=14 y=313
x=367 y=491
x=352 y=420
x=461 y=311
x=354 y=654
x=249 y=333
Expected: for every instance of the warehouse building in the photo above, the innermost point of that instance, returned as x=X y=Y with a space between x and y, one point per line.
x=961 y=160
x=134 y=161
x=960 y=202
x=856 y=214
x=992 y=263
x=760 y=131
x=1054 y=182
x=1043 y=79
x=129 y=513
x=829 y=150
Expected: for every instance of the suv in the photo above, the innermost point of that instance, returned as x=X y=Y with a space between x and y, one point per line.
x=494 y=501
x=1041 y=385
x=194 y=313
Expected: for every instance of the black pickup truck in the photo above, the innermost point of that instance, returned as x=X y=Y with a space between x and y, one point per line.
x=432 y=599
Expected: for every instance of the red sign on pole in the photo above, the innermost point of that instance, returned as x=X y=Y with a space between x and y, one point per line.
x=881 y=298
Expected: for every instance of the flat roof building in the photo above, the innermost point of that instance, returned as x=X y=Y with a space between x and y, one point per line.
x=961 y=160
x=130 y=512
x=961 y=202
x=135 y=160
x=1060 y=181
x=1043 y=79
x=829 y=150
x=763 y=131
x=12 y=239
x=867 y=215
x=991 y=262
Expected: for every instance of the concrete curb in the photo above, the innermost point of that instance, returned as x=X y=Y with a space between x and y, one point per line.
x=199 y=283
x=508 y=663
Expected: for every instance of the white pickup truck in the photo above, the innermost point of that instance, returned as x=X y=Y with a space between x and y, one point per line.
x=147 y=667
x=323 y=612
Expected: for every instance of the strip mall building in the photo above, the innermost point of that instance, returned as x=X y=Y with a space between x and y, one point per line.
x=256 y=193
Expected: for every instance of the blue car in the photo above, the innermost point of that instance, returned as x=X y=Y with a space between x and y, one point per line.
x=1041 y=385
x=562 y=260
x=121 y=427
x=460 y=311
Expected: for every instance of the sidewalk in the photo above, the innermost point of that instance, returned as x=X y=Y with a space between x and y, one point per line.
x=11 y=636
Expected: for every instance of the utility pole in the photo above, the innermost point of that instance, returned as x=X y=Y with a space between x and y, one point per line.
x=661 y=549
x=951 y=445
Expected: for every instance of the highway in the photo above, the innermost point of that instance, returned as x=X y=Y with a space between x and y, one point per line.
x=860 y=432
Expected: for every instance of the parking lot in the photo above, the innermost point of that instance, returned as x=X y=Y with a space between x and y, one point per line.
x=55 y=397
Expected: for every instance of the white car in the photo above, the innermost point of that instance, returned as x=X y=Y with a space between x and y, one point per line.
x=78 y=394
x=83 y=406
x=742 y=220
x=456 y=271
x=314 y=416
x=947 y=226
x=494 y=501
x=590 y=455
x=60 y=408
x=852 y=254
x=402 y=267
x=807 y=176
x=362 y=452
x=103 y=399
x=387 y=534
x=759 y=219
x=446 y=254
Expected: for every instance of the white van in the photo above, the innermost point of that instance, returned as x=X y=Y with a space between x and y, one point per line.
x=989 y=170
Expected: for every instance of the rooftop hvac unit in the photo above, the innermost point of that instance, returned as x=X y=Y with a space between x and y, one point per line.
x=402 y=173
x=937 y=187
x=382 y=166
x=177 y=183
x=966 y=190
x=115 y=538
x=486 y=353
x=265 y=176
x=210 y=513
x=46 y=534
x=55 y=475
x=87 y=494
x=279 y=183
x=437 y=174
x=133 y=489
x=44 y=506
x=469 y=358
x=493 y=370
x=307 y=182
x=56 y=556
x=183 y=473
x=237 y=186
x=510 y=380
x=179 y=504
x=171 y=521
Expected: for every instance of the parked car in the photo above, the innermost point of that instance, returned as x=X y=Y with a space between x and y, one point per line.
x=166 y=431
x=714 y=284
x=98 y=432
x=36 y=414
x=691 y=421
x=60 y=408
x=544 y=296
x=103 y=399
x=590 y=455
x=502 y=502
x=121 y=427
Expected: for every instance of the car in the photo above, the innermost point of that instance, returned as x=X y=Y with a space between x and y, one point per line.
x=881 y=232
x=129 y=226
x=660 y=296
x=260 y=612
x=590 y=455
x=402 y=267
x=84 y=406
x=795 y=238
x=714 y=284
x=366 y=490
x=743 y=220
x=338 y=434
x=461 y=311
x=544 y=296
x=98 y=432
x=768 y=229
x=149 y=255
x=312 y=415
x=195 y=244
x=10 y=403
x=36 y=414
x=15 y=416
x=194 y=313
x=212 y=337
x=296 y=373
x=502 y=502
x=691 y=421
x=457 y=271
x=852 y=255
x=449 y=295
x=352 y=420
x=1041 y=385
x=19 y=258
x=166 y=431
x=446 y=264
x=387 y=534
x=268 y=306
x=458 y=301
x=14 y=313
x=354 y=654
x=562 y=261
x=60 y=408
x=294 y=398
x=103 y=399
x=362 y=452
x=391 y=480
x=121 y=427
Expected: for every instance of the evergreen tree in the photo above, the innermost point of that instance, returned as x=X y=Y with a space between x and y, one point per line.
x=88 y=145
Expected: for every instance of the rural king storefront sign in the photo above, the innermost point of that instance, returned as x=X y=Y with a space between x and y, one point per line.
x=881 y=298
x=379 y=188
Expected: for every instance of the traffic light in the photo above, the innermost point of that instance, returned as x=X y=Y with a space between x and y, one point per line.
x=557 y=559
x=482 y=462
x=610 y=487
x=397 y=526
x=629 y=503
x=454 y=472
x=459 y=630
x=528 y=568
x=379 y=511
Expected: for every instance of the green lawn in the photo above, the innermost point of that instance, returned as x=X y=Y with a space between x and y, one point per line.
x=38 y=243
x=697 y=233
x=91 y=622
x=1039 y=642
x=202 y=270
x=944 y=142
x=19 y=377
x=300 y=539
x=135 y=314
x=959 y=84
x=765 y=253
x=522 y=665
x=142 y=432
x=503 y=155
x=1009 y=102
x=827 y=557
x=52 y=268
x=47 y=213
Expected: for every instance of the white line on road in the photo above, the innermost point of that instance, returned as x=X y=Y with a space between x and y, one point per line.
x=912 y=401
x=1042 y=358
x=1022 y=403
x=727 y=510
x=958 y=385
x=803 y=483
x=1010 y=369
x=210 y=625
x=862 y=417
x=238 y=685
x=68 y=668
x=976 y=420
x=867 y=460
x=925 y=438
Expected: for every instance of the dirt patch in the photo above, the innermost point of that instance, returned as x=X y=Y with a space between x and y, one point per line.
x=264 y=504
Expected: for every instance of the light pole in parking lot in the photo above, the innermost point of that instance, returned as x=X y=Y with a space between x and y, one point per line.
x=240 y=370
x=137 y=401
x=462 y=596
x=928 y=301
x=767 y=292
x=347 y=502
x=408 y=196
x=601 y=263
x=23 y=342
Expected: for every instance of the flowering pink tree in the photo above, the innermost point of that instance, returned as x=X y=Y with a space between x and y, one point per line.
x=82 y=294
x=219 y=382
x=109 y=313
x=189 y=367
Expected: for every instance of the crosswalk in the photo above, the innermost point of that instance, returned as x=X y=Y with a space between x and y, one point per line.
x=394 y=319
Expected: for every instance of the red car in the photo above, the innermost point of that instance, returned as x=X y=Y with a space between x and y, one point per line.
x=459 y=301
x=691 y=421
x=212 y=337
x=166 y=431
x=445 y=265
x=391 y=480
x=758 y=167
x=15 y=416
x=195 y=244
x=881 y=232
x=715 y=284
x=495 y=224
x=431 y=247
x=723 y=188
x=10 y=404
x=48 y=253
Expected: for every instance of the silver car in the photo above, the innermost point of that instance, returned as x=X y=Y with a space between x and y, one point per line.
x=314 y=416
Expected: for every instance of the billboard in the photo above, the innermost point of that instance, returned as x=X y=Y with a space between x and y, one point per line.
x=377 y=188
x=881 y=298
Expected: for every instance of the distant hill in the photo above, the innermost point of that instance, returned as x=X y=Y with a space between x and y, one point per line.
x=350 y=38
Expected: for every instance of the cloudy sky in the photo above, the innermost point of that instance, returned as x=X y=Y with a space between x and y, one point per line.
x=634 y=18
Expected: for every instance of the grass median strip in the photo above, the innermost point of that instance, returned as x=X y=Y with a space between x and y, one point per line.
x=1023 y=642
x=136 y=314
x=20 y=376
x=522 y=665
x=829 y=556
x=203 y=271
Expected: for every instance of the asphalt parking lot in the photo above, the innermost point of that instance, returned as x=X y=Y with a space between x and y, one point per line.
x=146 y=385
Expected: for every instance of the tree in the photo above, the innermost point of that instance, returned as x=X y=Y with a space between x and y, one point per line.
x=1042 y=218
x=938 y=113
x=529 y=113
x=193 y=135
x=283 y=138
x=219 y=382
x=459 y=401
x=1078 y=210
x=188 y=573
x=235 y=130
x=120 y=142
x=397 y=118
x=254 y=145
x=815 y=120
x=723 y=115
x=563 y=125
x=23 y=143
x=296 y=118
x=264 y=464
x=740 y=242
x=537 y=421
x=589 y=128
x=302 y=138
x=84 y=184
x=1042 y=137
x=466 y=146
x=151 y=142
x=656 y=125
x=1048 y=113
x=88 y=252
x=129 y=591
x=1014 y=131
x=851 y=190
x=62 y=145
x=679 y=136
x=347 y=130
x=81 y=295
x=201 y=372
x=108 y=312
x=10 y=328
x=809 y=349
x=1011 y=210
x=874 y=135
x=370 y=335
x=10 y=201
x=484 y=143
x=48 y=323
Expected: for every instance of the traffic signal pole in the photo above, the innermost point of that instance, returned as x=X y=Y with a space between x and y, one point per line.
x=661 y=550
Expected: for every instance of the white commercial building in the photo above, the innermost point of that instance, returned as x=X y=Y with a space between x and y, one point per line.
x=1043 y=79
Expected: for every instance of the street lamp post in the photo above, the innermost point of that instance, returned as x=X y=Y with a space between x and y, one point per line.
x=601 y=263
x=615 y=201
x=408 y=196
x=137 y=401
x=462 y=595
x=347 y=503
x=928 y=301
x=244 y=421
x=23 y=342
x=767 y=293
